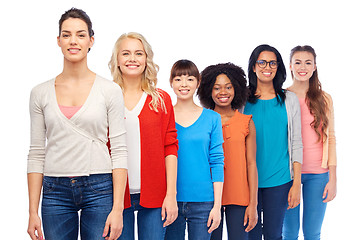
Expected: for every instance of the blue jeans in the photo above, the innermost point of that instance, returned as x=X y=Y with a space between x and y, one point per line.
x=272 y=202
x=196 y=215
x=150 y=225
x=313 y=186
x=64 y=197
x=234 y=215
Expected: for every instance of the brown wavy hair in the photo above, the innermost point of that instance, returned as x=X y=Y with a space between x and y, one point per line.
x=315 y=97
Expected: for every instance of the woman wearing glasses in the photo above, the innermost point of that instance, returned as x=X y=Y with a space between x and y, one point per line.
x=276 y=114
x=319 y=168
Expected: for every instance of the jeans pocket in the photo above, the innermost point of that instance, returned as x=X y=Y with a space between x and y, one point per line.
x=48 y=185
x=104 y=186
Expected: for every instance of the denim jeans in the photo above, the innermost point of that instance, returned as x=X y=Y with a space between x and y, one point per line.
x=150 y=225
x=272 y=202
x=313 y=186
x=64 y=197
x=234 y=215
x=196 y=215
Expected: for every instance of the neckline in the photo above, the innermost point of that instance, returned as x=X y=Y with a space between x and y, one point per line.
x=268 y=99
x=139 y=105
x=231 y=119
x=82 y=107
x=202 y=112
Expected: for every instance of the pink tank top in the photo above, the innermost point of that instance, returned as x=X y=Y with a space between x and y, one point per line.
x=69 y=111
x=313 y=149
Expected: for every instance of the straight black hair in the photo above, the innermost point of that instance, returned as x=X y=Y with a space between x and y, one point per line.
x=278 y=80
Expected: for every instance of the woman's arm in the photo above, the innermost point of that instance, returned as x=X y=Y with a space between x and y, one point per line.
x=114 y=221
x=330 y=188
x=215 y=213
x=297 y=155
x=36 y=160
x=295 y=190
x=118 y=149
x=251 y=215
x=169 y=209
x=34 y=188
x=216 y=161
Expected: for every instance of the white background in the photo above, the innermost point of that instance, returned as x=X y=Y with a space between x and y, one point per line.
x=206 y=32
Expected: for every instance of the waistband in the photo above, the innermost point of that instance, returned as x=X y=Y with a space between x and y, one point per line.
x=82 y=180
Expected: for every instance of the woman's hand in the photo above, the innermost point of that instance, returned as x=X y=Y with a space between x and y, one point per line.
x=169 y=210
x=34 y=228
x=250 y=218
x=114 y=223
x=294 y=196
x=214 y=219
x=329 y=191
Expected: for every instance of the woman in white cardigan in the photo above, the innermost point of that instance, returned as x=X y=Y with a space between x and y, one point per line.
x=72 y=117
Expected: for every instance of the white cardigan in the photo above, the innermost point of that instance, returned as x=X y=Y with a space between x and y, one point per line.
x=77 y=146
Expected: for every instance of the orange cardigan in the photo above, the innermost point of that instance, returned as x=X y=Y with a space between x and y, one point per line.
x=236 y=187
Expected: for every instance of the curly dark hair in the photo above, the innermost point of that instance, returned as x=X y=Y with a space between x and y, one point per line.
x=237 y=77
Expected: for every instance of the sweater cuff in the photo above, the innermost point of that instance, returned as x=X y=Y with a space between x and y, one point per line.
x=171 y=150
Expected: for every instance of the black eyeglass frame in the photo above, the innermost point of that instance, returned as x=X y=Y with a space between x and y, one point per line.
x=270 y=62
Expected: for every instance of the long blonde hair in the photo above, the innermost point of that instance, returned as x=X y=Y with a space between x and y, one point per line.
x=149 y=77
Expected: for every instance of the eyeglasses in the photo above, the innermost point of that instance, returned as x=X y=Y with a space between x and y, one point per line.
x=262 y=64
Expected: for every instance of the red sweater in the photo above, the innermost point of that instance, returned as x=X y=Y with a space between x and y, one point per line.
x=158 y=140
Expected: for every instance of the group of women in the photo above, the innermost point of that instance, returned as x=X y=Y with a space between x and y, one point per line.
x=110 y=151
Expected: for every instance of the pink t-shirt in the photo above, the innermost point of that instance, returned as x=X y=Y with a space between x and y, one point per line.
x=69 y=111
x=313 y=149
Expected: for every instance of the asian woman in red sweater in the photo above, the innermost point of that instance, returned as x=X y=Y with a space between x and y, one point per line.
x=151 y=138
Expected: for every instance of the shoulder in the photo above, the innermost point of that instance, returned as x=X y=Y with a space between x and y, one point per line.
x=291 y=95
x=328 y=97
x=106 y=83
x=108 y=86
x=163 y=94
x=42 y=88
x=291 y=98
x=211 y=115
x=243 y=117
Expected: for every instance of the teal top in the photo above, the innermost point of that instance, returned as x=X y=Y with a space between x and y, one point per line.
x=272 y=155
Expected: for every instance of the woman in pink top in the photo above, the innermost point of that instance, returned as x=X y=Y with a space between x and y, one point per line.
x=319 y=159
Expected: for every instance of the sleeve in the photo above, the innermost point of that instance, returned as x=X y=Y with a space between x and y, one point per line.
x=331 y=134
x=36 y=157
x=296 y=144
x=117 y=131
x=216 y=152
x=170 y=142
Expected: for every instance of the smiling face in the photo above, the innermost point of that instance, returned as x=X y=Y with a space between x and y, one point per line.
x=131 y=58
x=223 y=91
x=302 y=65
x=75 y=40
x=184 y=86
x=267 y=73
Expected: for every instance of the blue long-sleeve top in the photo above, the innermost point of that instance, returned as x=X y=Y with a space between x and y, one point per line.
x=200 y=158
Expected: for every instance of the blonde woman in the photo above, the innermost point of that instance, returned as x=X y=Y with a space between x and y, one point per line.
x=151 y=139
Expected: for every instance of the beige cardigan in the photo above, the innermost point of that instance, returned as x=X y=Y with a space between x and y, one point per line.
x=329 y=146
x=77 y=146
